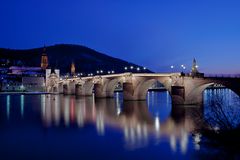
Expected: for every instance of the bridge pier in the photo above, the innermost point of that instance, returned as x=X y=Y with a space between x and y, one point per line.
x=129 y=93
x=99 y=91
x=79 y=90
x=69 y=88
x=60 y=88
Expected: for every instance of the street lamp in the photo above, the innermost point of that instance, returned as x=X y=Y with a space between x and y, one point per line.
x=113 y=72
x=131 y=67
x=172 y=67
x=138 y=69
x=125 y=68
x=183 y=68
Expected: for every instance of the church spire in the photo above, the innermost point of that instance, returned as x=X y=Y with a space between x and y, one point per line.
x=73 y=69
x=44 y=59
x=194 y=68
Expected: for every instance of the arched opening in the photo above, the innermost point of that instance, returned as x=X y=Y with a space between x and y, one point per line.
x=114 y=87
x=196 y=95
x=149 y=85
x=157 y=97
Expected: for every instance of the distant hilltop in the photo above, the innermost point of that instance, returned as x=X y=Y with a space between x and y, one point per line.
x=61 y=56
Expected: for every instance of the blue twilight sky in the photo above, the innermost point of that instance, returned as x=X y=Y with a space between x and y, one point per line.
x=152 y=33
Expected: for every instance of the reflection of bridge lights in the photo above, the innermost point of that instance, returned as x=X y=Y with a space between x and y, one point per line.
x=173 y=142
x=22 y=105
x=183 y=142
x=145 y=131
x=66 y=112
x=118 y=111
x=100 y=123
x=8 y=106
x=80 y=116
x=57 y=112
x=197 y=139
x=157 y=124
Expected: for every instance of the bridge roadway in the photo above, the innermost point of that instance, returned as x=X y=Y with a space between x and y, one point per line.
x=183 y=89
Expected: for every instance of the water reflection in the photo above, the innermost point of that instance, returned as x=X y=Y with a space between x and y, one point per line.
x=22 y=105
x=155 y=126
x=138 y=122
x=8 y=106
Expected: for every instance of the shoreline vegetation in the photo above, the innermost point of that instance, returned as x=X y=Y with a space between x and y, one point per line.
x=220 y=126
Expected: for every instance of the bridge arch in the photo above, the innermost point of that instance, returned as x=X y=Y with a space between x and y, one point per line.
x=195 y=95
x=141 y=91
x=111 y=86
x=107 y=87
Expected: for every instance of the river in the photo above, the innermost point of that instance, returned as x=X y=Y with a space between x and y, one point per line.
x=69 y=127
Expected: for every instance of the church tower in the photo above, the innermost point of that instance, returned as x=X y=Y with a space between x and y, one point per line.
x=73 y=69
x=194 y=71
x=44 y=59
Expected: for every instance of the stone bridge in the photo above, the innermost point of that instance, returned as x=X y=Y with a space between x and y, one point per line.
x=183 y=89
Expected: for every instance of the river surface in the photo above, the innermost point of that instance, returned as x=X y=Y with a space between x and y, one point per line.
x=69 y=127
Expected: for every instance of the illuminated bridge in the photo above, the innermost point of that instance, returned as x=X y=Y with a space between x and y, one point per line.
x=183 y=89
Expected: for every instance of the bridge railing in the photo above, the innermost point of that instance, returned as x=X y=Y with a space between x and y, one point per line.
x=223 y=75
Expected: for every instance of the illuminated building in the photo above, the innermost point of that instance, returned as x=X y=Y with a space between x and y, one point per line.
x=44 y=59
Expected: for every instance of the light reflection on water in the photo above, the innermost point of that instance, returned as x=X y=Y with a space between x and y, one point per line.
x=135 y=119
x=141 y=124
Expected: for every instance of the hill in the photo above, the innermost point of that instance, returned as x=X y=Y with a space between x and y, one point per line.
x=61 y=56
